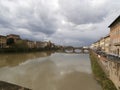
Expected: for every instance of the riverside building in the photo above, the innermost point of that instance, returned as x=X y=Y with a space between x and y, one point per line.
x=115 y=36
x=3 y=40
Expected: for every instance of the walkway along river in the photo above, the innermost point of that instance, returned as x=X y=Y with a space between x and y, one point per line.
x=48 y=71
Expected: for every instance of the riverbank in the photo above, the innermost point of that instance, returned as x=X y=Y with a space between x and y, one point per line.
x=100 y=75
x=27 y=50
x=9 y=86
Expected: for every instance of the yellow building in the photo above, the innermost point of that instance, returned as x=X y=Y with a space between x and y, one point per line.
x=30 y=44
x=107 y=44
x=115 y=36
x=102 y=44
x=3 y=41
x=39 y=44
x=95 y=45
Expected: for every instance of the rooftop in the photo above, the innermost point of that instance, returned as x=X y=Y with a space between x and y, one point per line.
x=107 y=36
x=115 y=21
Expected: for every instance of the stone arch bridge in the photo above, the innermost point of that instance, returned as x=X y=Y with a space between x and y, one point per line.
x=76 y=50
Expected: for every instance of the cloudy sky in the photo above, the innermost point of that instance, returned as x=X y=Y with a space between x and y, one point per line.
x=64 y=22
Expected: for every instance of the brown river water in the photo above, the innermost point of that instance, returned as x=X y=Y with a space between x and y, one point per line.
x=48 y=71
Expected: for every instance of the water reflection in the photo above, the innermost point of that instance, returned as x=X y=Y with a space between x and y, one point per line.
x=34 y=75
x=84 y=82
x=15 y=59
x=55 y=72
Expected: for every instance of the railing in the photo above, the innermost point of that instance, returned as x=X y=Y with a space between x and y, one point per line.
x=109 y=56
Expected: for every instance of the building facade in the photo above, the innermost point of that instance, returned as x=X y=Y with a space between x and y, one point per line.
x=39 y=44
x=3 y=40
x=30 y=44
x=13 y=36
x=107 y=44
x=95 y=45
x=115 y=36
x=102 y=44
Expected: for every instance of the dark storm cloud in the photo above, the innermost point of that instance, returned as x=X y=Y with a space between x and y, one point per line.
x=4 y=23
x=39 y=20
x=35 y=17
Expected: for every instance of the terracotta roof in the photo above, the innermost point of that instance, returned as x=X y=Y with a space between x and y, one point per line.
x=12 y=35
x=115 y=21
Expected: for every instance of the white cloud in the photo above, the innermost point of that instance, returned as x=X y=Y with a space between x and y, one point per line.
x=98 y=3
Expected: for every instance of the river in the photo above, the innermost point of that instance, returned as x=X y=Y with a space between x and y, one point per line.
x=48 y=71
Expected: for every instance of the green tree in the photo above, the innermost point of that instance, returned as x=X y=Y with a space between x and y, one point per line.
x=20 y=44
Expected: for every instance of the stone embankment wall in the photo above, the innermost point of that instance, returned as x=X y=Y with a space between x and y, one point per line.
x=111 y=68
